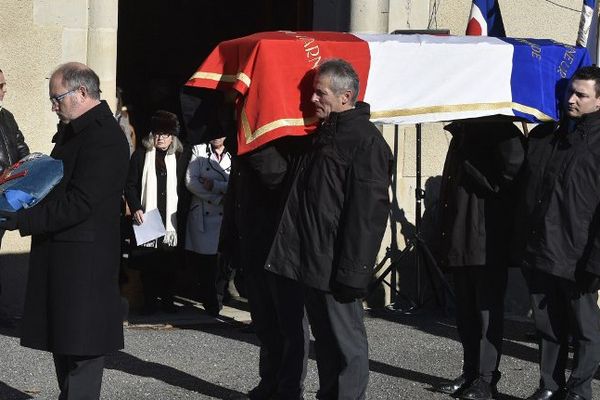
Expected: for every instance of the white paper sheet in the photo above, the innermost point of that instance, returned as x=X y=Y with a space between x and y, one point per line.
x=150 y=229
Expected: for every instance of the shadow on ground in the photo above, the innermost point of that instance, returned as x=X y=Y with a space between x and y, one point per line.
x=10 y=393
x=134 y=366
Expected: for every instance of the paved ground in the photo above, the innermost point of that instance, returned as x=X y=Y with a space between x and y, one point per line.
x=189 y=355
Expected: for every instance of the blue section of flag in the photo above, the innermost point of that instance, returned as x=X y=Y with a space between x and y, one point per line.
x=542 y=66
x=491 y=12
x=590 y=3
x=18 y=199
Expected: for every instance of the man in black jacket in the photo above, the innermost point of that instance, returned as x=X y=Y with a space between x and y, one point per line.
x=332 y=225
x=12 y=142
x=558 y=239
x=476 y=215
x=72 y=304
x=257 y=187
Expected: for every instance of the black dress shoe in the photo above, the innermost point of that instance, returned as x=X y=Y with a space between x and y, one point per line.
x=454 y=386
x=479 y=390
x=573 y=396
x=261 y=392
x=545 y=394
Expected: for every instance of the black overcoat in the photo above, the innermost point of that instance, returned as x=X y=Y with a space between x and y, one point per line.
x=477 y=196
x=73 y=304
x=133 y=188
x=251 y=206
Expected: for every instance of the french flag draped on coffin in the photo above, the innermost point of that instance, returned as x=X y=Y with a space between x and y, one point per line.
x=405 y=78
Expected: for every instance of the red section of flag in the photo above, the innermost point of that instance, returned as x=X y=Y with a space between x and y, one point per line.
x=473 y=28
x=273 y=72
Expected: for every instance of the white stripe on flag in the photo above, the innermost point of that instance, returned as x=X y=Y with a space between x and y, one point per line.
x=476 y=13
x=464 y=81
x=585 y=23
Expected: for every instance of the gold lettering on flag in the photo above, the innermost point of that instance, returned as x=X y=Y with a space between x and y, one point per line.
x=536 y=49
x=565 y=64
x=312 y=52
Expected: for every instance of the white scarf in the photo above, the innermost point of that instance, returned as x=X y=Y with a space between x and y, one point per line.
x=149 y=190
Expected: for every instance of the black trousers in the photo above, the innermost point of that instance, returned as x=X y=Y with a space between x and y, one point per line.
x=341 y=346
x=277 y=310
x=158 y=275
x=479 y=294
x=79 y=377
x=206 y=268
x=560 y=310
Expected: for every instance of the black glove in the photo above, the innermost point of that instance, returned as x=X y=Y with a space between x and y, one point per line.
x=8 y=220
x=587 y=282
x=347 y=294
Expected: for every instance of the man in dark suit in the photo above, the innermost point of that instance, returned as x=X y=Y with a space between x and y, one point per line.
x=72 y=306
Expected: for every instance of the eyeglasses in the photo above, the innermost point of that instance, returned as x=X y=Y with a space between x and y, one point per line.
x=161 y=135
x=55 y=100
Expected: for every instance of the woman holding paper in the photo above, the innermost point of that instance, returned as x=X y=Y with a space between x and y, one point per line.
x=206 y=178
x=153 y=181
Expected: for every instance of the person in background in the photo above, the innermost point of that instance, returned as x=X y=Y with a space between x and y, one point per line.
x=206 y=178
x=72 y=305
x=154 y=181
x=12 y=141
x=122 y=116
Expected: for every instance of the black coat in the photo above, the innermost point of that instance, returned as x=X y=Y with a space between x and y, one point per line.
x=12 y=142
x=133 y=187
x=73 y=305
x=335 y=215
x=477 y=193
x=251 y=205
x=558 y=215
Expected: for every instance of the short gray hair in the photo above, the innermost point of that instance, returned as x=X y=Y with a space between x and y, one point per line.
x=75 y=75
x=342 y=76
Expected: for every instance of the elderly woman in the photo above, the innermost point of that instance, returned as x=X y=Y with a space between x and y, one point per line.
x=152 y=183
x=206 y=178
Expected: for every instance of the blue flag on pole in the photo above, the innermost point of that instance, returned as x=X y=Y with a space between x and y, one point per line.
x=486 y=19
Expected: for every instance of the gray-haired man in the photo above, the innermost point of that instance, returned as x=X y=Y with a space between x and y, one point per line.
x=332 y=226
x=72 y=305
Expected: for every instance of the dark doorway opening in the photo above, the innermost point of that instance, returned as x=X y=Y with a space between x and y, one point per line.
x=161 y=43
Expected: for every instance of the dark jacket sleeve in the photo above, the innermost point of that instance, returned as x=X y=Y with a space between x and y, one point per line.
x=134 y=178
x=100 y=163
x=22 y=148
x=364 y=214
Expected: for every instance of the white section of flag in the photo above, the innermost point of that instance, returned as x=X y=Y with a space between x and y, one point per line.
x=476 y=13
x=465 y=81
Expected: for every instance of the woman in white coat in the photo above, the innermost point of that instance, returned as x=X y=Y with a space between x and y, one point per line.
x=206 y=178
